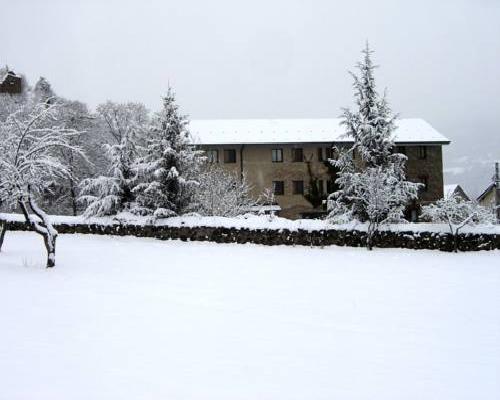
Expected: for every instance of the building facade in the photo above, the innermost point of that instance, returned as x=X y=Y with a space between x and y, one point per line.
x=490 y=198
x=10 y=82
x=291 y=157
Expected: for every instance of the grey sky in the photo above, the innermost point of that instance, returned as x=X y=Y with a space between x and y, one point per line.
x=227 y=59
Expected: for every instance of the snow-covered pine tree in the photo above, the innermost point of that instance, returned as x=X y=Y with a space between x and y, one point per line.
x=42 y=92
x=170 y=165
x=373 y=188
x=109 y=194
x=29 y=160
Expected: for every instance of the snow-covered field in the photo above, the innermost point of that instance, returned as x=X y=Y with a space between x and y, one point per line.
x=128 y=318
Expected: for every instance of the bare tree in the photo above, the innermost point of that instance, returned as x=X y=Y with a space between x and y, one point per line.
x=222 y=193
x=30 y=140
x=457 y=213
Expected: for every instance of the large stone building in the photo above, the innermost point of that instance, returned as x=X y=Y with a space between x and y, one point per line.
x=290 y=156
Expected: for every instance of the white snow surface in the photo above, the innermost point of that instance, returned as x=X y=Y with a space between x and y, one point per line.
x=251 y=221
x=321 y=130
x=134 y=318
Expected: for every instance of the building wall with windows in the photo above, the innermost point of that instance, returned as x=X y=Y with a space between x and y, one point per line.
x=290 y=155
x=290 y=170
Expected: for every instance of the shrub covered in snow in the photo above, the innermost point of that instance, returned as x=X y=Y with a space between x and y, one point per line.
x=222 y=193
x=456 y=213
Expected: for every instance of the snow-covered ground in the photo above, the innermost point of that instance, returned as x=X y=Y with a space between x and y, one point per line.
x=129 y=318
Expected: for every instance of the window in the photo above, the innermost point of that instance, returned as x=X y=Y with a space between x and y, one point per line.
x=229 y=156
x=425 y=181
x=321 y=188
x=320 y=154
x=213 y=156
x=297 y=155
x=401 y=150
x=422 y=152
x=277 y=155
x=298 y=187
x=330 y=186
x=329 y=152
x=278 y=188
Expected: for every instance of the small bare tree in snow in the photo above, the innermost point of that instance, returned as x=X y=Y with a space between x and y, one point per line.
x=30 y=140
x=222 y=193
x=457 y=213
x=267 y=200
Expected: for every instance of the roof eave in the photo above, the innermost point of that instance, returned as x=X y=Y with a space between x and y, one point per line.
x=402 y=143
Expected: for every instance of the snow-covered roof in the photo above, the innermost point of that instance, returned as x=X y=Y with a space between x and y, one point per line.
x=322 y=130
x=5 y=72
x=448 y=190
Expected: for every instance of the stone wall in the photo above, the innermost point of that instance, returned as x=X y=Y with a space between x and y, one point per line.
x=271 y=237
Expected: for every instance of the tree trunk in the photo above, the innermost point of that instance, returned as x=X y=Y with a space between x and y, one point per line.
x=369 y=237
x=43 y=228
x=73 y=197
x=3 y=229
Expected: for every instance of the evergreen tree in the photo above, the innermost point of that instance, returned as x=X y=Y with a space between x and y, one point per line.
x=43 y=92
x=372 y=188
x=169 y=167
x=109 y=194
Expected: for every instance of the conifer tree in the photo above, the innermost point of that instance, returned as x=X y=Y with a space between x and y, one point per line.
x=169 y=166
x=373 y=188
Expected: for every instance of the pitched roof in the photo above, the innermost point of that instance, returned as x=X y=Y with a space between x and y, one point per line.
x=448 y=190
x=323 y=130
x=486 y=191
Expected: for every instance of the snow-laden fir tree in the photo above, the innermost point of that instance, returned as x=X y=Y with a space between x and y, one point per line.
x=372 y=188
x=169 y=167
x=42 y=92
x=457 y=213
x=222 y=193
x=30 y=140
x=125 y=125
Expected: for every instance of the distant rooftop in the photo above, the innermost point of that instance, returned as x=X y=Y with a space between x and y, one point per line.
x=323 y=130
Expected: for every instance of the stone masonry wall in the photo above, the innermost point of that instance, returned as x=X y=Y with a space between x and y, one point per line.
x=271 y=237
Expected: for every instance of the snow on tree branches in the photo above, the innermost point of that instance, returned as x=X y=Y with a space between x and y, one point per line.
x=457 y=213
x=222 y=193
x=107 y=195
x=373 y=188
x=29 y=160
x=169 y=166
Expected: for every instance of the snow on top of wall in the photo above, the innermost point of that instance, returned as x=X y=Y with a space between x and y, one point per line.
x=322 y=130
x=252 y=222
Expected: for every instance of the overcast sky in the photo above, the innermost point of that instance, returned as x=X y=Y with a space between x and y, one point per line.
x=440 y=60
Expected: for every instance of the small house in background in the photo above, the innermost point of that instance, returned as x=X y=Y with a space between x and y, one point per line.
x=490 y=198
x=10 y=82
x=455 y=189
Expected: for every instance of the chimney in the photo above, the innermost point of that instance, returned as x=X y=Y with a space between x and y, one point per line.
x=497 y=190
